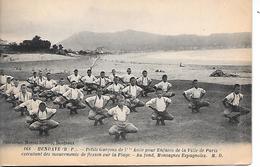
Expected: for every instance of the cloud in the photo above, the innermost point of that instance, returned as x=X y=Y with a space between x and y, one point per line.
x=57 y=19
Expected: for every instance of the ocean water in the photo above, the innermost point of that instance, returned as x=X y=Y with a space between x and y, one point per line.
x=197 y=65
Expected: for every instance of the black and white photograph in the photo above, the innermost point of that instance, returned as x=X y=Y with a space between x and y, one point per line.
x=126 y=73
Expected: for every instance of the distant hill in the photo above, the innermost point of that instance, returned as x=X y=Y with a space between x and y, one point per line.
x=130 y=41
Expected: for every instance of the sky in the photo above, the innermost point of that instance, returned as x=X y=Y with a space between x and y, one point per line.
x=56 y=20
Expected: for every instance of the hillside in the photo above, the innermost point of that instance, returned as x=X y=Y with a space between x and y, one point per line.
x=131 y=40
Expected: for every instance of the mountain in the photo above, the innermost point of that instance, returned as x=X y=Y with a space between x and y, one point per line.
x=130 y=41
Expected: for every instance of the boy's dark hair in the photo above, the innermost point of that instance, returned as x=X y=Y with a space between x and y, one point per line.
x=23 y=85
x=102 y=72
x=144 y=71
x=48 y=73
x=236 y=85
x=164 y=76
x=132 y=78
x=195 y=80
x=89 y=70
x=76 y=70
x=42 y=104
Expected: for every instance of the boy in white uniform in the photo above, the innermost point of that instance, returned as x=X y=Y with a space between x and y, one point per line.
x=58 y=91
x=89 y=82
x=121 y=126
x=3 y=77
x=74 y=98
x=32 y=106
x=43 y=119
x=194 y=96
x=97 y=105
x=231 y=102
x=112 y=75
x=132 y=92
x=5 y=87
x=115 y=89
x=126 y=78
x=32 y=81
x=145 y=83
x=165 y=86
x=159 y=105
x=102 y=81
x=14 y=90
x=40 y=83
x=22 y=97
x=47 y=86
x=76 y=77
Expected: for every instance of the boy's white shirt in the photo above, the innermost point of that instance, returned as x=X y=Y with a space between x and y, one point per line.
x=102 y=81
x=111 y=77
x=119 y=114
x=40 y=81
x=14 y=90
x=32 y=106
x=143 y=80
x=133 y=90
x=49 y=84
x=33 y=79
x=60 y=89
x=45 y=114
x=23 y=97
x=195 y=93
x=159 y=103
x=126 y=77
x=234 y=99
x=3 y=78
x=115 y=87
x=163 y=85
x=99 y=102
x=6 y=86
x=89 y=79
x=74 y=94
x=72 y=77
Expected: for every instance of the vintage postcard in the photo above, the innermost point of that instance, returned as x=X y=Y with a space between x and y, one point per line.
x=125 y=82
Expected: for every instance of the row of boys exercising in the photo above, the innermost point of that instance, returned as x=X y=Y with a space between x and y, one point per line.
x=125 y=95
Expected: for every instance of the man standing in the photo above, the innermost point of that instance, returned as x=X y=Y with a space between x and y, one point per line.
x=121 y=126
x=43 y=119
x=97 y=105
x=159 y=105
x=231 y=102
x=194 y=96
